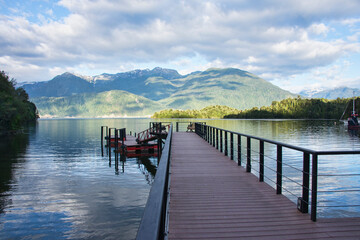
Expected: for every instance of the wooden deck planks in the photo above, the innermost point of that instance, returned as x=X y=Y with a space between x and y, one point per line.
x=213 y=198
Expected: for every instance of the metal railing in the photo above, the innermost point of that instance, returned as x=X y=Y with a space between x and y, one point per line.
x=186 y=126
x=226 y=141
x=153 y=223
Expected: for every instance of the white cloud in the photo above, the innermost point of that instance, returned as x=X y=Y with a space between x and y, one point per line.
x=270 y=38
x=319 y=29
x=322 y=78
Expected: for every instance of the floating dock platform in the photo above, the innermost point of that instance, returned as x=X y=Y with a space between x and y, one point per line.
x=130 y=145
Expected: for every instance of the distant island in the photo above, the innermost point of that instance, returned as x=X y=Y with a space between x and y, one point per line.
x=15 y=108
x=290 y=108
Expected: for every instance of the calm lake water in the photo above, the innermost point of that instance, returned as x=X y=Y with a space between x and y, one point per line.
x=55 y=183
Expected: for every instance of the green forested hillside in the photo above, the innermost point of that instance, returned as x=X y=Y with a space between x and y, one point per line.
x=159 y=89
x=300 y=108
x=231 y=87
x=114 y=103
x=15 y=109
x=207 y=112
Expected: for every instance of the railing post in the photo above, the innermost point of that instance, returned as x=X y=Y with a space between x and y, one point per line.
x=279 y=170
x=226 y=143
x=217 y=138
x=203 y=131
x=303 y=203
x=177 y=126
x=232 y=146
x=213 y=140
x=239 y=149
x=261 y=161
x=248 y=155
x=221 y=140
x=207 y=133
x=314 y=186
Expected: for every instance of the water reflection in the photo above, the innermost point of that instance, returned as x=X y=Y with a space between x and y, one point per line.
x=146 y=163
x=12 y=150
x=55 y=182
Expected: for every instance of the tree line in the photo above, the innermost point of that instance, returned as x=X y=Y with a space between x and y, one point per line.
x=15 y=107
x=290 y=108
x=299 y=108
x=216 y=111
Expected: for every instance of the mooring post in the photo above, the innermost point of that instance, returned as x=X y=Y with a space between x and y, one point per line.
x=102 y=141
x=123 y=137
x=116 y=144
x=123 y=160
x=106 y=132
x=102 y=135
x=109 y=145
x=117 y=165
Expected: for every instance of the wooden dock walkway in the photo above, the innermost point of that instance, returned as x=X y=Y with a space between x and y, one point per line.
x=213 y=198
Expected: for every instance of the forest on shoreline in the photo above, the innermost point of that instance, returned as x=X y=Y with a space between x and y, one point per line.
x=290 y=108
x=15 y=109
x=217 y=111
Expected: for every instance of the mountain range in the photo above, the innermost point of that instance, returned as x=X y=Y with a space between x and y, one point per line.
x=334 y=93
x=142 y=92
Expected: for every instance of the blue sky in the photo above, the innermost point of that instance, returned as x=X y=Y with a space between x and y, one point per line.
x=296 y=45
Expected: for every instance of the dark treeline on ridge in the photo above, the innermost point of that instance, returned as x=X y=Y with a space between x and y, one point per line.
x=290 y=108
x=15 y=107
x=207 y=112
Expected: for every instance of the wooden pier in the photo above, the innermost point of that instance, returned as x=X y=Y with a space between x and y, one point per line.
x=211 y=197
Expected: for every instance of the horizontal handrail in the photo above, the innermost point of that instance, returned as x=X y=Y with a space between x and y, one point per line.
x=270 y=141
x=219 y=138
x=152 y=226
x=177 y=125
